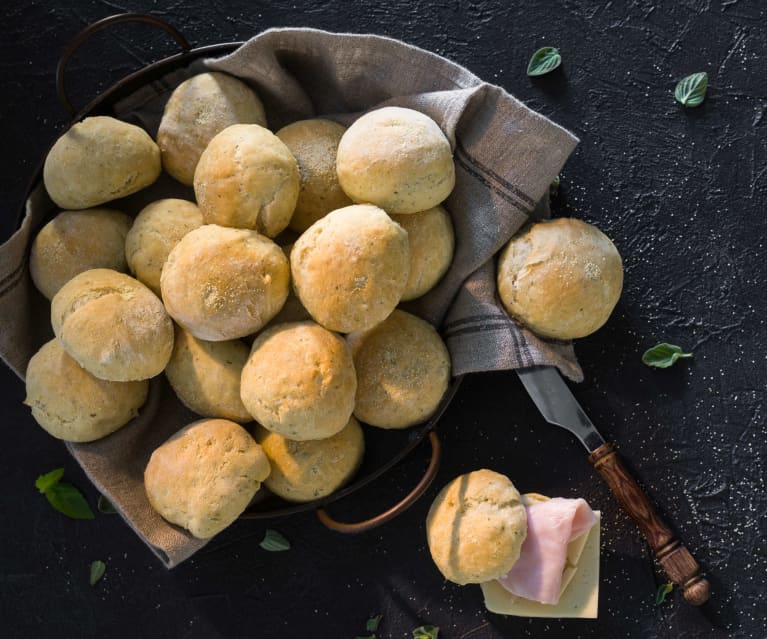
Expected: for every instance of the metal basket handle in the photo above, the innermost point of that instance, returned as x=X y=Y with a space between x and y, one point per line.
x=91 y=29
x=398 y=508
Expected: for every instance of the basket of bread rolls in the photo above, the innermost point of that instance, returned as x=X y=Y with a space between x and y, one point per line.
x=231 y=290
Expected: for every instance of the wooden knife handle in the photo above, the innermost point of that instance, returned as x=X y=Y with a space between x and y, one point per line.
x=677 y=562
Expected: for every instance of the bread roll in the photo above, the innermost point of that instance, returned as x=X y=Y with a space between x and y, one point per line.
x=222 y=283
x=112 y=325
x=98 y=160
x=247 y=178
x=156 y=230
x=308 y=470
x=73 y=405
x=299 y=381
x=314 y=144
x=560 y=278
x=77 y=241
x=205 y=475
x=350 y=268
x=198 y=109
x=475 y=527
x=397 y=159
x=431 y=241
x=206 y=376
x=403 y=369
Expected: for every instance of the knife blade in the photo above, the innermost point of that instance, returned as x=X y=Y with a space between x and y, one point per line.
x=558 y=406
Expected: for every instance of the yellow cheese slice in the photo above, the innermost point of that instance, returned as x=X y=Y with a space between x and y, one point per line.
x=580 y=582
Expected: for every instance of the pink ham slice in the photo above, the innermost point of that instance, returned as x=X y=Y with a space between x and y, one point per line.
x=551 y=526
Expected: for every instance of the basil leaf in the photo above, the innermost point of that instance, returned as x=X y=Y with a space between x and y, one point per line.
x=544 y=60
x=372 y=624
x=274 y=541
x=68 y=500
x=98 y=568
x=426 y=632
x=663 y=355
x=45 y=482
x=660 y=596
x=691 y=91
x=105 y=506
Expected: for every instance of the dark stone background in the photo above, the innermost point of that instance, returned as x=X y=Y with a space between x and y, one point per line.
x=682 y=194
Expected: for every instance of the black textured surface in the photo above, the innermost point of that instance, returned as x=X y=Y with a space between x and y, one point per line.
x=681 y=192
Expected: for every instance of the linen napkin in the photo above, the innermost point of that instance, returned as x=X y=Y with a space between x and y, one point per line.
x=506 y=157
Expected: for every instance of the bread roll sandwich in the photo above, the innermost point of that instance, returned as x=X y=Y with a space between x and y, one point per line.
x=532 y=556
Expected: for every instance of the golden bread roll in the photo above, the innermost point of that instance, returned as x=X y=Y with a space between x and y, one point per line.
x=247 y=178
x=303 y=471
x=113 y=325
x=98 y=160
x=314 y=144
x=203 y=477
x=77 y=241
x=206 y=376
x=396 y=158
x=155 y=231
x=222 y=283
x=73 y=405
x=350 y=267
x=299 y=381
x=431 y=240
x=475 y=527
x=198 y=109
x=561 y=278
x=403 y=370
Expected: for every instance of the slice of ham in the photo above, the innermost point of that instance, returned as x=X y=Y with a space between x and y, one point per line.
x=551 y=526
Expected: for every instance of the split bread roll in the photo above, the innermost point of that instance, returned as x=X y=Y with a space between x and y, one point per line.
x=314 y=144
x=350 y=268
x=299 y=381
x=203 y=477
x=561 y=278
x=396 y=158
x=112 y=325
x=155 y=231
x=247 y=178
x=73 y=405
x=222 y=283
x=308 y=470
x=77 y=241
x=198 y=109
x=403 y=371
x=98 y=160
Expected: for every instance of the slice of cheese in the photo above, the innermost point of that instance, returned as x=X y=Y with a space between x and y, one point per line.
x=580 y=586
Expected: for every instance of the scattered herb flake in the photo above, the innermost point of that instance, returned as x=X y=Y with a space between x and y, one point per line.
x=554 y=187
x=426 y=632
x=45 y=482
x=105 y=506
x=660 y=596
x=663 y=355
x=373 y=622
x=691 y=91
x=373 y=636
x=98 y=568
x=274 y=541
x=544 y=60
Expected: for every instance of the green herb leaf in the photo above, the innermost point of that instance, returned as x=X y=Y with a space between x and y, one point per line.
x=554 y=187
x=373 y=636
x=105 y=506
x=544 y=60
x=660 y=596
x=691 y=91
x=372 y=624
x=45 y=482
x=68 y=500
x=426 y=632
x=98 y=568
x=274 y=541
x=663 y=355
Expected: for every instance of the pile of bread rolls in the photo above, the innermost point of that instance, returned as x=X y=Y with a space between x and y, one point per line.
x=270 y=302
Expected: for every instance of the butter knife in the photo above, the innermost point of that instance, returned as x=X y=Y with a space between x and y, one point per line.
x=556 y=403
